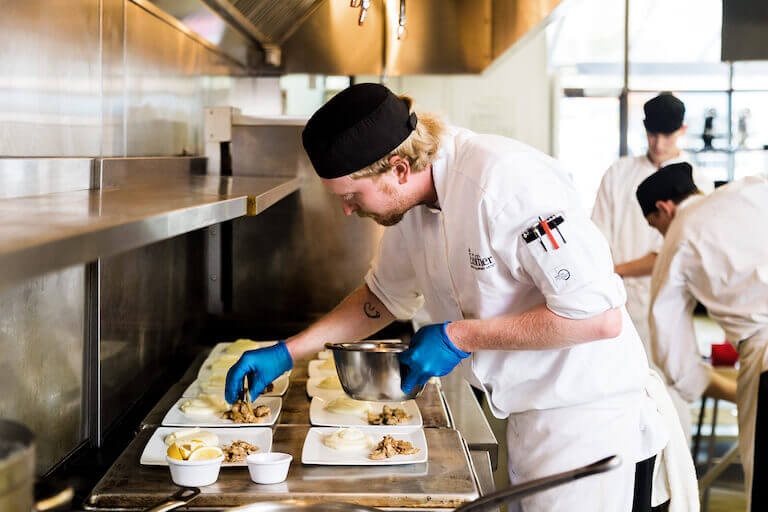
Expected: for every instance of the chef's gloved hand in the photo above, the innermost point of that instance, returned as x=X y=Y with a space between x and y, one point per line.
x=262 y=366
x=430 y=354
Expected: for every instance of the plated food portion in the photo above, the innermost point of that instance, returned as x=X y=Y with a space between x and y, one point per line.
x=235 y=444
x=373 y=446
x=347 y=412
x=322 y=368
x=325 y=387
x=212 y=411
x=213 y=384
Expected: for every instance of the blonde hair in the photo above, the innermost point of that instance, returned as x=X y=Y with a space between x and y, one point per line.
x=420 y=148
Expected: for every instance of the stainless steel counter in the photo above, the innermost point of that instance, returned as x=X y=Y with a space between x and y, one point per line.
x=468 y=417
x=445 y=481
x=455 y=472
x=45 y=232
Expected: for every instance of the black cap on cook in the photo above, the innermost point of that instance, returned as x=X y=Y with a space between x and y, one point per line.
x=357 y=127
x=671 y=181
x=663 y=114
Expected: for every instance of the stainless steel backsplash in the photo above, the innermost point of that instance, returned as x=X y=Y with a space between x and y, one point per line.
x=99 y=78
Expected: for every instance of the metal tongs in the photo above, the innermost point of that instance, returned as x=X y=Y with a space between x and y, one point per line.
x=245 y=395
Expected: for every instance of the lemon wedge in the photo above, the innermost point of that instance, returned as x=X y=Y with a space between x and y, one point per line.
x=174 y=453
x=206 y=453
x=188 y=447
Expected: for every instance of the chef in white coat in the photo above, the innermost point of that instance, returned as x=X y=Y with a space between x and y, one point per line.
x=634 y=244
x=488 y=235
x=715 y=251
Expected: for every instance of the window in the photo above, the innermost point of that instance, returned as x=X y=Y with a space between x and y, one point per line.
x=672 y=46
x=588 y=124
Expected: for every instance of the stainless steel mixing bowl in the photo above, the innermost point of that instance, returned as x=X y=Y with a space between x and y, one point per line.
x=371 y=370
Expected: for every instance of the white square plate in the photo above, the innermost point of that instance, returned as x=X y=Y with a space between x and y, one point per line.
x=220 y=349
x=194 y=389
x=154 y=451
x=321 y=417
x=315 y=451
x=329 y=394
x=316 y=370
x=176 y=418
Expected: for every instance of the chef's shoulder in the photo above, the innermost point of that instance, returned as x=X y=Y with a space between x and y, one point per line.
x=624 y=166
x=504 y=170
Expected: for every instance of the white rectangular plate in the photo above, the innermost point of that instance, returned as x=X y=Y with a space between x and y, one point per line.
x=313 y=390
x=220 y=349
x=315 y=452
x=154 y=451
x=176 y=418
x=321 y=417
x=315 y=369
x=194 y=389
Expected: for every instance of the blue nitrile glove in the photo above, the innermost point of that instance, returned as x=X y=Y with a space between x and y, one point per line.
x=262 y=366
x=430 y=354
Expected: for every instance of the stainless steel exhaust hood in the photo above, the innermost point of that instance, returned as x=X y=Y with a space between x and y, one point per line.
x=745 y=30
x=439 y=36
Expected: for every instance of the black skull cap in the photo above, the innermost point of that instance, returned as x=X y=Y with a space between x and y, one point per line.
x=673 y=180
x=357 y=127
x=663 y=114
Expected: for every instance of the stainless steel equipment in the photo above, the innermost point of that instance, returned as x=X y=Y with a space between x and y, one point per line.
x=17 y=466
x=510 y=494
x=371 y=370
x=17 y=471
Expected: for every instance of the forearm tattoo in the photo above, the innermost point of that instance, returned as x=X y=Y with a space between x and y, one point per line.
x=371 y=311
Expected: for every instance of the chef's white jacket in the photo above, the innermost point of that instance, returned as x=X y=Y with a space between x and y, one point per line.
x=618 y=216
x=468 y=260
x=714 y=252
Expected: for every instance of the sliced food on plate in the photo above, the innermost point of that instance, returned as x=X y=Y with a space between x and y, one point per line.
x=235 y=444
x=213 y=411
x=388 y=416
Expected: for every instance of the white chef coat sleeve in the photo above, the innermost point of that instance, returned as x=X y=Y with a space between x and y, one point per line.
x=673 y=340
x=577 y=278
x=392 y=278
x=603 y=211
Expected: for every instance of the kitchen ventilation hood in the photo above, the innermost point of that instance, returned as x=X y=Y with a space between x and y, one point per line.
x=437 y=36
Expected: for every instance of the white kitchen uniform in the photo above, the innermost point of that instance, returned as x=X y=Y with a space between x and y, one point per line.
x=716 y=252
x=619 y=217
x=469 y=260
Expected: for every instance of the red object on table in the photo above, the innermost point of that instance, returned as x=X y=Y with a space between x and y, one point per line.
x=724 y=354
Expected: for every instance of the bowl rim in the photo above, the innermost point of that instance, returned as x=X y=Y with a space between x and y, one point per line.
x=203 y=462
x=368 y=346
x=283 y=458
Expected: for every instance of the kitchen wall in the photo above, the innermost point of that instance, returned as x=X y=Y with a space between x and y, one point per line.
x=510 y=98
x=103 y=78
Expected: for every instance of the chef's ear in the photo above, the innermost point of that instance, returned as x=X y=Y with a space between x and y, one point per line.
x=666 y=207
x=401 y=167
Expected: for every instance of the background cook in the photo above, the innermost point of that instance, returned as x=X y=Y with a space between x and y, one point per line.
x=715 y=252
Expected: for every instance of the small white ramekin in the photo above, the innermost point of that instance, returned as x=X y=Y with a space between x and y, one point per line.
x=268 y=468
x=194 y=473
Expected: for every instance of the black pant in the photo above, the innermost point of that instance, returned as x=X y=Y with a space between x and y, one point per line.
x=643 y=484
x=760 y=470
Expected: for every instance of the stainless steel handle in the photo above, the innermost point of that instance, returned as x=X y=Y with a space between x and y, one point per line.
x=57 y=500
x=181 y=498
x=518 y=492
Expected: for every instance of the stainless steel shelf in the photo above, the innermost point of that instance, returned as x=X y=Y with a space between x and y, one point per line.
x=46 y=232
